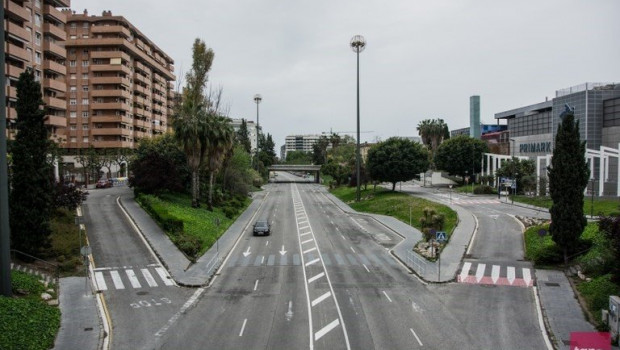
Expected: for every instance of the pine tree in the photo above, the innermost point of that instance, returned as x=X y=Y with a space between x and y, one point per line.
x=568 y=177
x=243 y=136
x=31 y=195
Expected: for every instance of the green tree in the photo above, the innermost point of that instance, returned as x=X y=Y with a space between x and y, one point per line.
x=237 y=173
x=396 y=159
x=319 y=151
x=32 y=182
x=159 y=165
x=523 y=170
x=568 y=177
x=432 y=132
x=460 y=155
x=298 y=157
x=610 y=226
x=243 y=136
x=267 y=154
x=220 y=141
x=190 y=116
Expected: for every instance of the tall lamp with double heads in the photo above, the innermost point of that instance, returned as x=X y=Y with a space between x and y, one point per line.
x=358 y=44
x=257 y=98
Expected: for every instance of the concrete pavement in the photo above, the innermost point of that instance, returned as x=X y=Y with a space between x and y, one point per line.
x=561 y=316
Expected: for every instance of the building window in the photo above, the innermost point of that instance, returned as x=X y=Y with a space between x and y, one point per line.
x=84 y=126
x=73 y=37
x=72 y=114
x=71 y=51
x=73 y=139
x=85 y=25
x=37 y=75
x=72 y=102
x=73 y=25
x=85 y=139
x=85 y=51
x=84 y=75
x=73 y=127
x=72 y=63
x=85 y=36
x=73 y=76
x=37 y=19
x=85 y=88
x=85 y=63
x=37 y=3
x=37 y=38
x=73 y=88
x=84 y=114
x=84 y=101
x=37 y=57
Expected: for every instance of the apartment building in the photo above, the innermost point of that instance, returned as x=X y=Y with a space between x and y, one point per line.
x=34 y=38
x=119 y=83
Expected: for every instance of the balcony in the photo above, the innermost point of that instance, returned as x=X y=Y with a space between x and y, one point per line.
x=111 y=132
x=107 y=29
x=112 y=118
x=11 y=92
x=16 y=11
x=141 y=78
x=110 y=54
x=17 y=31
x=110 y=80
x=51 y=11
x=16 y=52
x=110 y=68
x=55 y=31
x=54 y=67
x=54 y=49
x=111 y=93
x=56 y=85
x=53 y=120
x=55 y=103
x=110 y=105
x=13 y=71
x=141 y=124
x=112 y=144
x=139 y=66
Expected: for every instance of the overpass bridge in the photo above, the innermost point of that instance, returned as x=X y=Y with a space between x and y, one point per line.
x=316 y=169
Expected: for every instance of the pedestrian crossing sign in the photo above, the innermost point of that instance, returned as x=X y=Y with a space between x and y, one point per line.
x=440 y=236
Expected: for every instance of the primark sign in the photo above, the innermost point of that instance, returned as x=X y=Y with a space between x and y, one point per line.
x=535 y=147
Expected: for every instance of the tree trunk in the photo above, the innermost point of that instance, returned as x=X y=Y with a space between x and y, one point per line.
x=195 y=203
x=393 y=186
x=210 y=202
x=565 y=255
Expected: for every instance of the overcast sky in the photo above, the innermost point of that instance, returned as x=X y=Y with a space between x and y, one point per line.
x=423 y=59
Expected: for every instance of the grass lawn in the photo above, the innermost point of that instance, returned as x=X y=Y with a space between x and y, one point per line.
x=604 y=206
x=197 y=222
x=395 y=204
x=27 y=322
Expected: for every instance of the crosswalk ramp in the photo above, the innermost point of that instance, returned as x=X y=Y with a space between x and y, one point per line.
x=329 y=259
x=131 y=278
x=482 y=273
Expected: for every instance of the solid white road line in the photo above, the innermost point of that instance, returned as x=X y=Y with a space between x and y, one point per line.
x=164 y=276
x=148 y=277
x=321 y=298
x=314 y=278
x=495 y=273
x=116 y=278
x=480 y=272
x=416 y=336
x=326 y=329
x=243 y=327
x=387 y=296
x=256 y=285
x=366 y=268
x=135 y=283
x=465 y=271
x=100 y=281
x=353 y=250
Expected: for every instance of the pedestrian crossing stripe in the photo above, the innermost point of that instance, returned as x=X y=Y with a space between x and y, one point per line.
x=477 y=201
x=479 y=276
x=138 y=278
x=329 y=259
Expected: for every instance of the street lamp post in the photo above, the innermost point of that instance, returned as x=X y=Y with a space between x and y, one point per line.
x=358 y=44
x=257 y=98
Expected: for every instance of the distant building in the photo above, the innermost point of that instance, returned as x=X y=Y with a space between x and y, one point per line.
x=236 y=124
x=474 y=117
x=302 y=143
x=484 y=129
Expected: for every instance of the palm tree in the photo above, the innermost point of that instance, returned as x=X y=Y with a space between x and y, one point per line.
x=190 y=117
x=219 y=141
x=432 y=133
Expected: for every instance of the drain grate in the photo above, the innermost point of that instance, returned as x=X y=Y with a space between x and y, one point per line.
x=88 y=329
x=552 y=284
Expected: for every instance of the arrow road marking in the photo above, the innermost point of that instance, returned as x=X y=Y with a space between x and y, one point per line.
x=511 y=274
x=282 y=252
x=527 y=277
x=289 y=313
x=247 y=252
x=480 y=272
x=495 y=273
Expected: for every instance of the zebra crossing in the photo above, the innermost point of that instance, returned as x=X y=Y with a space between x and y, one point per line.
x=120 y=278
x=475 y=201
x=330 y=259
x=491 y=274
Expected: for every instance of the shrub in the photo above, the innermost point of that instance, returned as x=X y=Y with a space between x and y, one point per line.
x=596 y=293
x=189 y=245
x=484 y=189
x=230 y=212
x=541 y=250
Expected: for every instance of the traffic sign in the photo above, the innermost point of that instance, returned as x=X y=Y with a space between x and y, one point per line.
x=441 y=236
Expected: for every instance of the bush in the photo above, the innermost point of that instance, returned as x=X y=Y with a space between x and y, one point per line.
x=541 y=250
x=230 y=212
x=484 y=189
x=189 y=245
x=596 y=293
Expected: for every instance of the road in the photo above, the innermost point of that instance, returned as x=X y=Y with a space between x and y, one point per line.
x=323 y=279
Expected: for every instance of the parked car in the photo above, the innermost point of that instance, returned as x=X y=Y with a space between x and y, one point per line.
x=262 y=228
x=103 y=183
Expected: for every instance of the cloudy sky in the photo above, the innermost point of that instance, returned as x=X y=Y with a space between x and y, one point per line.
x=423 y=59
